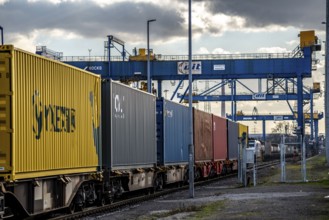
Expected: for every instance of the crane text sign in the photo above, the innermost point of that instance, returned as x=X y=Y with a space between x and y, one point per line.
x=278 y=118
x=219 y=67
x=259 y=96
x=182 y=67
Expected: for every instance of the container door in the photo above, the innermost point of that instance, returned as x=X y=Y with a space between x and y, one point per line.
x=219 y=138
x=233 y=141
x=203 y=150
x=160 y=131
x=6 y=130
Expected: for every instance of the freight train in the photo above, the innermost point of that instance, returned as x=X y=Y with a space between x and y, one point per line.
x=69 y=139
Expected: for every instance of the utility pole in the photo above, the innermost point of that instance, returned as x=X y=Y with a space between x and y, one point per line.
x=191 y=146
x=326 y=101
x=1 y=28
x=149 y=86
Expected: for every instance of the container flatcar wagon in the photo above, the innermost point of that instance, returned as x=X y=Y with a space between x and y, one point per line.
x=49 y=125
x=69 y=139
x=172 y=140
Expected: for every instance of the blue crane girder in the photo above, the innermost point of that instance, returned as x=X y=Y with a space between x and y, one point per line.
x=252 y=68
x=267 y=97
x=263 y=117
x=274 y=117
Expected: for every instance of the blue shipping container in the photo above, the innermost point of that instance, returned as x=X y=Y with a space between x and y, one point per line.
x=172 y=132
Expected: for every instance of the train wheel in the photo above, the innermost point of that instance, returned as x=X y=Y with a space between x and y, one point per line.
x=186 y=177
x=197 y=174
x=102 y=202
x=110 y=200
x=81 y=207
x=224 y=170
x=212 y=173
x=148 y=192
x=72 y=208
x=158 y=183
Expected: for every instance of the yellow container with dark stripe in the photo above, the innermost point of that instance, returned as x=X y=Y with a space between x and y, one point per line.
x=243 y=129
x=49 y=117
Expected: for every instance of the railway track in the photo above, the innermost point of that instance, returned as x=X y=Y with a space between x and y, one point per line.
x=141 y=198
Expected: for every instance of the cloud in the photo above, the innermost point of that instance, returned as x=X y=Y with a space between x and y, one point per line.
x=24 y=41
x=90 y=19
x=3 y=2
x=260 y=13
x=272 y=50
x=220 y=51
x=126 y=19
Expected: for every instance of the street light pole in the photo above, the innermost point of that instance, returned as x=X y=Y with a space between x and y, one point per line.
x=1 y=28
x=148 y=56
x=326 y=100
x=89 y=53
x=191 y=146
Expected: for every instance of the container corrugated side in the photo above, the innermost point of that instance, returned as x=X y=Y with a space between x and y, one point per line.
x=243 y=129
x=173 y=132
x=219 y=138
x=129 y=139
x=203 y=150
x=52 y=117
x=233 y=141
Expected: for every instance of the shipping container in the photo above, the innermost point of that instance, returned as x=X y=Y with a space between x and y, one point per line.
x=203 y=150
x=173 y=137
x=233 y=139
x=49 y=117
x=243 y=133
x=128 y=127
x=219 y=138
x=307 y=38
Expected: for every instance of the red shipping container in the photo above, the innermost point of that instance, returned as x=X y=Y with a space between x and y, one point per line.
x=203 y=150
x=219 y=138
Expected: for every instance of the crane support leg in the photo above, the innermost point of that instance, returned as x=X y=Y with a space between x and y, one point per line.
x=300 y=115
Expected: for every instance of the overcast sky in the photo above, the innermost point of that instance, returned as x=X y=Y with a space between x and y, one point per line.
x=219 y=26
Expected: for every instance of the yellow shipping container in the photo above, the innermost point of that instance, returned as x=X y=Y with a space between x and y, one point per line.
x=243 y=128
x=49 y=117
x=316 y=87
x=307 y=38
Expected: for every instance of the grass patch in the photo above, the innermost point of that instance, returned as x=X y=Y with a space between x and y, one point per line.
x=316 y=172
x=317 y=169
x=209 y=210
x=322 y=183
x=180 y=209
x=200 y=212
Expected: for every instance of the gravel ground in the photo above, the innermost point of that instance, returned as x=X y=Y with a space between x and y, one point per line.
x=226 y=199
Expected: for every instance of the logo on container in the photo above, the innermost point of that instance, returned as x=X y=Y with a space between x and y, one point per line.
x=51 y=118
x=118 y=106
x=169 y=113
x=95 y=125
